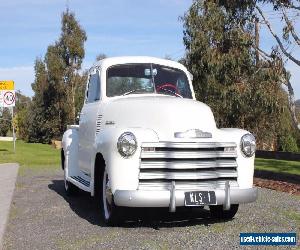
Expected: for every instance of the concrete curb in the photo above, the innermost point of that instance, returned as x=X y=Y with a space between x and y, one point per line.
x=8 y=176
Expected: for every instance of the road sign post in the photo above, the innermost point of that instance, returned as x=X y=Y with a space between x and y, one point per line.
x=13 y=128
x=8 y=100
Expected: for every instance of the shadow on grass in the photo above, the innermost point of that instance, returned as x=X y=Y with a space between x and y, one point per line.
x=85 y=206
x=3 y=150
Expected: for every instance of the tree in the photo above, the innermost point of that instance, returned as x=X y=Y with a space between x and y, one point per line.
x=58 y=107
x=21 y=113
x=289 y=37
x=22 y=101
x=39 y=127
x=59 y=85
x=5 y=121
x=80 y=82
x=71 y=43
x=168 y=57
x=219 y=38
x=101 y=56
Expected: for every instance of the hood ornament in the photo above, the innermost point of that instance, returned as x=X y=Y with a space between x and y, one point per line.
x=193 y=133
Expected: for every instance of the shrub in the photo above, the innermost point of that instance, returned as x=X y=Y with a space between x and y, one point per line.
x=288 y=143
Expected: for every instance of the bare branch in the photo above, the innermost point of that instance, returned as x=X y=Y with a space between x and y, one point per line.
x=284 y=51
x=295 y=7
x=291 y=28
x=291 y=6
x=263 y=52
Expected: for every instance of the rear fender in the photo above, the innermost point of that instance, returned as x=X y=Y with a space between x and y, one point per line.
x=70 y=150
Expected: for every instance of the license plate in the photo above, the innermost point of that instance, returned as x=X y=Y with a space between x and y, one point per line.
x=200 y=198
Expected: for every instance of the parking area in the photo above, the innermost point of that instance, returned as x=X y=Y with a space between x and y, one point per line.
x=42 y=217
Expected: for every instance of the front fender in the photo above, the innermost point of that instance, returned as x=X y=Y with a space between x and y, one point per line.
x=245 y=164
x=123 y=172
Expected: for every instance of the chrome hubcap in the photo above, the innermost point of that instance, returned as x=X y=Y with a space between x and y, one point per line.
x=107 y=196
x=108 y=193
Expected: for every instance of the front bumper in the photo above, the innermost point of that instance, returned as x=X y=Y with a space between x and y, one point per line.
x=166 y=198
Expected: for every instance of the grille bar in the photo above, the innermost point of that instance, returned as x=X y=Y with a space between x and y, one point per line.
x=201 y=175
x=206 y=185
x=191 y=164
x=189 y=144
x=188 y=155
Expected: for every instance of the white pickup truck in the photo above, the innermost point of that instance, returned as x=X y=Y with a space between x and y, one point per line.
x=144 y=141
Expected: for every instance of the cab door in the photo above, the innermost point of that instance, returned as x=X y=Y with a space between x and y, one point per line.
x=87 y=123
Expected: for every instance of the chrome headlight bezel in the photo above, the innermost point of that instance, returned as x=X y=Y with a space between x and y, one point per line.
x=127 y=144
x=248 y=145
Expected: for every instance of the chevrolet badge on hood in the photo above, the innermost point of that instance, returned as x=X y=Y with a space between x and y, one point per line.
x=193 y=133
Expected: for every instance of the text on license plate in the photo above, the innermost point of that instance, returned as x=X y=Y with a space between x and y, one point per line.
x=200 y=198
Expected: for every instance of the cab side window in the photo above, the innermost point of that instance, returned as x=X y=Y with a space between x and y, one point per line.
x=93 y=93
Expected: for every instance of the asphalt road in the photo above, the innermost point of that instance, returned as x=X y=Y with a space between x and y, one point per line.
x=42 y=217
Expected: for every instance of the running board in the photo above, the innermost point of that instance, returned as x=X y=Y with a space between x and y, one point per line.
x=80 y=182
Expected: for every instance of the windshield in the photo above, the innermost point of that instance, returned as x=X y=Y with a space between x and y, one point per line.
x=128 y=79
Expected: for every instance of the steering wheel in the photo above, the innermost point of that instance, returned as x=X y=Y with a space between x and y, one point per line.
x=167 y=85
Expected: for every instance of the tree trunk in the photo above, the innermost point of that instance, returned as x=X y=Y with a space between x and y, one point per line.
x=256 y=41
x=292 y=105
x=73 y=103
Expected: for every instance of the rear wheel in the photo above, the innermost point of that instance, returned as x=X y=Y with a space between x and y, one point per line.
x=70 y=188
x=218 y=212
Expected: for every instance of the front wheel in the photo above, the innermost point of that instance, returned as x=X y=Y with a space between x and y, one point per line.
x=108 y=208
x=218 y=212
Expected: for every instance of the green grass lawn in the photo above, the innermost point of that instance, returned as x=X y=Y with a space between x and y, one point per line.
x=278 y=166
x=34 y=156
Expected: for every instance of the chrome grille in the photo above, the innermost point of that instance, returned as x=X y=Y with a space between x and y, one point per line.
x=192 y=166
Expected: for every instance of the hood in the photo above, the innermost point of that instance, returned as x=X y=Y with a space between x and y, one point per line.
x=165 y=115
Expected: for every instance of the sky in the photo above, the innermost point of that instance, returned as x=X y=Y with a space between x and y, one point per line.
x=114 y=27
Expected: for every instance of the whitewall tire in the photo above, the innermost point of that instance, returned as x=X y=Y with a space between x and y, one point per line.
x=108 y=208
x=70 y=188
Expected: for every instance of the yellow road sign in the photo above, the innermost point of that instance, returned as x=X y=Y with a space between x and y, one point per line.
x=7 y=85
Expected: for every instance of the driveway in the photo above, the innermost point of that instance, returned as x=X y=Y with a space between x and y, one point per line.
x=42 y=217
x=8 y=176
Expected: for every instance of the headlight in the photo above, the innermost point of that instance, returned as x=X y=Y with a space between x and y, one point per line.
x=127 y=144
x=248 y=145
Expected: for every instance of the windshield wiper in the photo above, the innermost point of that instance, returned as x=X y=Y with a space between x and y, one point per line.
x=136 y=90
x=172 y=92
